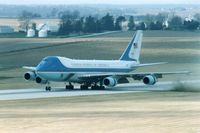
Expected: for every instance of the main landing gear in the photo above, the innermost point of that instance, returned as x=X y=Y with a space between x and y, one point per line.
x=93 y=86
x=69 y=87
x=82 y=87
x=96 y=87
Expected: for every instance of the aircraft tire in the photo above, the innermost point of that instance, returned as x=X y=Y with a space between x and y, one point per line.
x=48 y=88
x=98 y=88
x=69 y=87
x=84 y=87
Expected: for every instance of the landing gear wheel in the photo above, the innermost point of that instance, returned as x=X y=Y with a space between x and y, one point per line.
x=98 y=87
x=102 y=88
x=69 y=87
x=94 y=87
x=84 y=87
x=48 y=88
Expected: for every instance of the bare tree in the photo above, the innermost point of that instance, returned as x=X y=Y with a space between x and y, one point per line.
x=176 y=23
x=25 y=19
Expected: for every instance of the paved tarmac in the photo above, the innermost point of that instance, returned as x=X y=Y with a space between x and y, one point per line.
x=34 y=93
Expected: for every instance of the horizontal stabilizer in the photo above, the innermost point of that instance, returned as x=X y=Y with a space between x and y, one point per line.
x=150 y=64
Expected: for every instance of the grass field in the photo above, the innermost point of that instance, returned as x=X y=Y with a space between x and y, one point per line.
x=152 y=112
x=15 y=23
x=179 y=49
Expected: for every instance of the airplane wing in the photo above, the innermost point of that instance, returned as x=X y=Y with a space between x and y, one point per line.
x=150 y=64
x=135 y=76
x=29 y=68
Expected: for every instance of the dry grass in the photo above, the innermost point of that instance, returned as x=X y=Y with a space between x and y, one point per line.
x=122 y=113
x=15 y=23
x=10 y=22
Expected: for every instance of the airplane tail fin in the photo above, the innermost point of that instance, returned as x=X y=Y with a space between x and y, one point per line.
x=132 y=52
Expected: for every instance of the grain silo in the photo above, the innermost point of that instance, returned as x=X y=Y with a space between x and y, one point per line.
x=30 y=33
x=42 y=33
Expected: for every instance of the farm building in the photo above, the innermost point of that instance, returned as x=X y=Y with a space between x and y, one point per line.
x=124 y=26
x=6 y=29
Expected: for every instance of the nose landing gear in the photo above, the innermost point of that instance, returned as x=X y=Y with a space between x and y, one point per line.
x=48 y=87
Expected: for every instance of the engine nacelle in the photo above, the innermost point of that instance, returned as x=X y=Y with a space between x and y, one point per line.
x=149 y=80
x=110 y=82
x=30 y=76
x=40 y=80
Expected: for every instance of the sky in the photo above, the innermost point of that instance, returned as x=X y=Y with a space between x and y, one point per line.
x=125 y=2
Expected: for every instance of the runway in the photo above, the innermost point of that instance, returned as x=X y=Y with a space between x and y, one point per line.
x=33 y=93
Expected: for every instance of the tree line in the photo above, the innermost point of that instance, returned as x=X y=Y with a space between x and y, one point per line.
x=71 y=22
x=162 y=21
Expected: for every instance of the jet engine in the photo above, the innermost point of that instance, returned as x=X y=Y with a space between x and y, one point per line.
x=149 y=80
x=30 y=76
x=110 y=82
x=40 y=80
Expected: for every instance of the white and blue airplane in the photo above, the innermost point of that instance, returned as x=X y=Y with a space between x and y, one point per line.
x=95 y=73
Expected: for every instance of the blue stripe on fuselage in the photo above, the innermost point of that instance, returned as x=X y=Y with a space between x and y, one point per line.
x=53 y=64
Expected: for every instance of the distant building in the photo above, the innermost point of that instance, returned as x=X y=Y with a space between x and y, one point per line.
x=165 y=24
x=124 y=25
x=6 y=29
x=188 y=19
